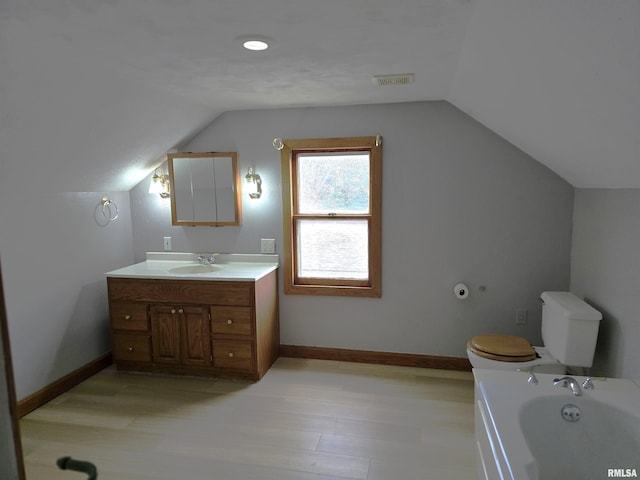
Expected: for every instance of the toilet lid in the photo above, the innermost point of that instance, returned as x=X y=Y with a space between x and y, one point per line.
x=506 y=348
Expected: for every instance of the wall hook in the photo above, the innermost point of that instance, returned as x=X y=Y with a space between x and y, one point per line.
x=278 y=143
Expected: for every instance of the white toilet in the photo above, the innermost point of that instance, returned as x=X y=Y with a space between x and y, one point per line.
x=569 y=332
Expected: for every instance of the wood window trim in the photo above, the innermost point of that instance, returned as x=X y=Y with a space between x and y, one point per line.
x=371 y=288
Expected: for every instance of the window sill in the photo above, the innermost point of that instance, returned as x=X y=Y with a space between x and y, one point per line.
x=333 y=290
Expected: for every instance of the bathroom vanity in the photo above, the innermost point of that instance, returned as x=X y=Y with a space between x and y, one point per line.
x=172 y=314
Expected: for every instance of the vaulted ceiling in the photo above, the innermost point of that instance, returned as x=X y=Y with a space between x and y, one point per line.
x=103 y=88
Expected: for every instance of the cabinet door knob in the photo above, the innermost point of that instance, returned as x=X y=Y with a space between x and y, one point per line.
x=229 y=322
x=130 y=349
x=173 y=310
x=180 y=310
x=127 y=317
x=230 y=354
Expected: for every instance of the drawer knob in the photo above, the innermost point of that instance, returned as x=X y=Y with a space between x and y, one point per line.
x=230 y=354
x=180 y=310
x=130 y=349
x=173 y=310
x=229 y=322
x=127 y=317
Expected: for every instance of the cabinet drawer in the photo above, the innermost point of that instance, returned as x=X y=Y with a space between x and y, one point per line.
x=237 y=355
x=131 y=348
x=231 y=321
x=181 y=291
x=129 y=316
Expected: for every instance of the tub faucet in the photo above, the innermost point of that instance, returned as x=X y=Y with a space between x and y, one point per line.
x=569 y=382
x=588 y=384
x=532 y=376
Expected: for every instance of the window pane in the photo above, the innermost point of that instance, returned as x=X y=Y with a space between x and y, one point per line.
x=337 y=182
x=333 y=249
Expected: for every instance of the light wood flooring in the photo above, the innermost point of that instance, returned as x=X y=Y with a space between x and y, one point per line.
x=305 y=420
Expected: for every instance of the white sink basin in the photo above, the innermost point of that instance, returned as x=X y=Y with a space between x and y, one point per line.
x=194 y=269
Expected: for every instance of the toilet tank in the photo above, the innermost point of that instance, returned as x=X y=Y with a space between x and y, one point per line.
x=569 y=328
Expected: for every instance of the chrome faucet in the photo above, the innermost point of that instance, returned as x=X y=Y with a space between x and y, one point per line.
x=588 y=384
x=207 y=260
x=532 y=376
x=569 y=382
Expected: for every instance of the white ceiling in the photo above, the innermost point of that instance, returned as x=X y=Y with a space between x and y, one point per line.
x=103 y=88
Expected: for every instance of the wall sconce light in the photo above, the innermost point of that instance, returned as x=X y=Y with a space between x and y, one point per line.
x=159 y=183
x=253 y=183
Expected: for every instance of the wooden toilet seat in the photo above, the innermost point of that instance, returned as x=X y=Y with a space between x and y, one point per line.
x=501 y=347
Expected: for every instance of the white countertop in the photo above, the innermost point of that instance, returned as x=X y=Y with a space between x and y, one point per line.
x=232 y=267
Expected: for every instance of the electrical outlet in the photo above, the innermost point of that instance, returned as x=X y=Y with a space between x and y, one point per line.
x=268 y=245
x=167 y=243
x=521 y=317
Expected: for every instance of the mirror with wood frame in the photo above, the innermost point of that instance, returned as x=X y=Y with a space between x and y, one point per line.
x=205 y=189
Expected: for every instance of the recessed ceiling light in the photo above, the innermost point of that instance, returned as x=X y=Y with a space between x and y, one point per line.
x=254 y=44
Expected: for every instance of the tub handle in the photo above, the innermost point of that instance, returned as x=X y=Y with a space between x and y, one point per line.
x=533 y=380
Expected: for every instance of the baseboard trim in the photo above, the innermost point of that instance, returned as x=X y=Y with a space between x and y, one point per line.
x=383 y=358
x=51 y=391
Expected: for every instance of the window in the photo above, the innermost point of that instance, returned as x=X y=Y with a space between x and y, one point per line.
x=332 y=216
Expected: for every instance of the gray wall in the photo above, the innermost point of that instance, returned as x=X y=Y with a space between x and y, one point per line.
x=459 y=204
x=8 y=461
x=55 y=251
x=605 y=269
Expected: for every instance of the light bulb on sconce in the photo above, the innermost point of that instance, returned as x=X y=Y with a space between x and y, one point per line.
x=159 y=183
x=253 y=183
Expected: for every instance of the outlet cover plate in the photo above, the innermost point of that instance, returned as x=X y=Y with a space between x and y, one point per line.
x=268 y=245
x=521 y=317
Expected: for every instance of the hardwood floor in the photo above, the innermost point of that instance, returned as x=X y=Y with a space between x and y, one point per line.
x=306 y=419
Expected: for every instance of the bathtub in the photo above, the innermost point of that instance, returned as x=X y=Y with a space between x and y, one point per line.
x=525 y=431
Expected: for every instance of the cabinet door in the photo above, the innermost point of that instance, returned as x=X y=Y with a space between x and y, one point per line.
x=195 y=336
x=165 y=334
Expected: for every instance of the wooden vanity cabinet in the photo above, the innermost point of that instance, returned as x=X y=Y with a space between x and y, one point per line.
x=232 y=330
x=130 y=332
x=194 y=326
x=180 y=335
